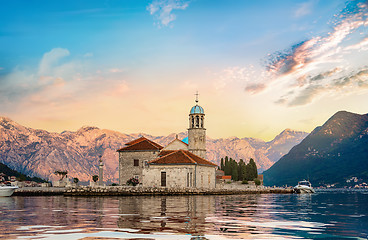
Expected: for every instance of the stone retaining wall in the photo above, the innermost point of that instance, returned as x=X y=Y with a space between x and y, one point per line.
x=140 y=191
x=135 y=191
x=39 y=191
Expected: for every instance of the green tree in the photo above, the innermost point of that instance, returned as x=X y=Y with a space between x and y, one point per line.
x=233 y=169
x=248 y=172
x=62 y=174
x=241 y=169
x=253 y=166
x=222 y=166
x=227 y=167
x=75 y=180
x=95 y=178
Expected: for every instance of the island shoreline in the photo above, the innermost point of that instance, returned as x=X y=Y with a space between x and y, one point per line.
x=141 y=191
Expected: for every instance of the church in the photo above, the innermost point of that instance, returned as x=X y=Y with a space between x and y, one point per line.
x=180 y=164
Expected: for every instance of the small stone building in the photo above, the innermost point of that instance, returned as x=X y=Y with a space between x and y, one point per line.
x=133 y=158
x=179 y=169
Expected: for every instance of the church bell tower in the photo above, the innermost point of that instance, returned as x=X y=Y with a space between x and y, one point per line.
x=196 y=131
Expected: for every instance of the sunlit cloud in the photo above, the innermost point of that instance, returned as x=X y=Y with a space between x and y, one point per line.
x=323 y=64
x=252 y=79
x=255 y=88
x=57 y=81
x=162 y=10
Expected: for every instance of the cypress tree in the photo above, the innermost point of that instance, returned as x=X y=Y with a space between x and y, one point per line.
x=241 y=166
x=234 y=169
x=222 y=164
x=248 y=172
x=227 y=167
x=253 y=169
x=234 y=172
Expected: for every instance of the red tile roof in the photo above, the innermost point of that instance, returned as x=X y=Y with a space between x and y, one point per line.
x=136 y=141
x=165 y=152
x=141 y=144
x=181 y=157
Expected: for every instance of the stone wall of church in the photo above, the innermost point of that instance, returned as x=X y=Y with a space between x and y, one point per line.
x=177 y=176
x=180 y=176
x=197 y=141
x=206 y=176
x=127 y=169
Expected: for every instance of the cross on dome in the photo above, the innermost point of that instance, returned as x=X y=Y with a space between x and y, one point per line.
x=197 y=94
x=196 y=109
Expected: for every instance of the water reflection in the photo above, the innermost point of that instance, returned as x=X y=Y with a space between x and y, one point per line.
x=185 y=214
x=325 y=214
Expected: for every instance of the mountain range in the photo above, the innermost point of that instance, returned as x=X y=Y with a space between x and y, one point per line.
x=331 y=155
x=40 y=153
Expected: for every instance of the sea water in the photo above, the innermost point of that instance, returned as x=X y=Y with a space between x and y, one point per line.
x=332 y=214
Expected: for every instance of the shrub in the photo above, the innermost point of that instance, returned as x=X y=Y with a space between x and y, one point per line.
x=228 y=182
x=257 y=181
x=95 y=178
x=132 y=181
x=114 y=184
x=244 y=182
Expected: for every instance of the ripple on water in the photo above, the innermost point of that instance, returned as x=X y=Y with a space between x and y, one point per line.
x=324 y=215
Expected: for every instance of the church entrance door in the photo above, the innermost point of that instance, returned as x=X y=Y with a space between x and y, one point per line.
x=163 y=179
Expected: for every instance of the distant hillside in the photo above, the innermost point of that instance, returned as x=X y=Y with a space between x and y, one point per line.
x=40 y=153
x=10 y=172
x=331 y=154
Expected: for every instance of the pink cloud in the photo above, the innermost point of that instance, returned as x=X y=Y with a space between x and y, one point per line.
x=324 y=59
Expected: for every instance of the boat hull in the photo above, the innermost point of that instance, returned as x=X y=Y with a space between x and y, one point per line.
x=7 y=191
x=303 y=190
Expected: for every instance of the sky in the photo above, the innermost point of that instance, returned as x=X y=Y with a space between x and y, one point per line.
x=134 y=66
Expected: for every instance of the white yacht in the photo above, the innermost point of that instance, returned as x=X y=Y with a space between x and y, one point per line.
x=304 y=187
x=7 y=191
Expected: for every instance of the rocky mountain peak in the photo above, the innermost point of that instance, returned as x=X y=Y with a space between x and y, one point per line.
x=331 y=153
x=39 y=153
x=343 y=124
x=87 y=128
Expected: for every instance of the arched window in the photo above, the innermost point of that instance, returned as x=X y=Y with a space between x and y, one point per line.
x=202 y=121
x=197 y=122
x=192 y=122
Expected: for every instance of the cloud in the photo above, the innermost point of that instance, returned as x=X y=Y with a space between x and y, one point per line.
x=325 y=63
x=306 y=95
x=255 y=88
x=57 y=82
x=51 y=58
x=162 y=10
x=304 y=9
x=253 y=80
x=358 y=79
x=362 y=45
